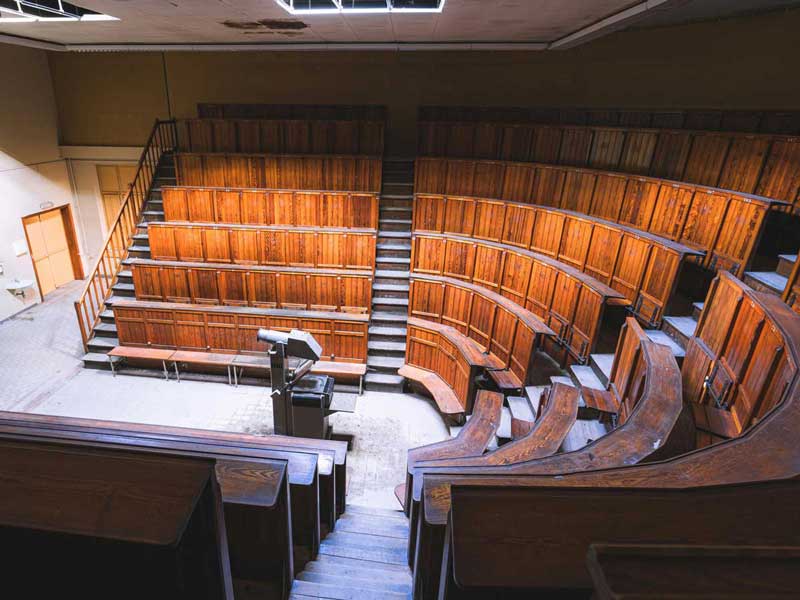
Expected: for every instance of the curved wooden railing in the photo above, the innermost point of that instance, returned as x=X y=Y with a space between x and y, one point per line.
x=163 y=138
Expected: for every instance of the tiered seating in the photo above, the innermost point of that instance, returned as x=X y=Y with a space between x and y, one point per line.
x=642 y=266
x=741 y=380
x=762 y=164
x=295 y=288
x=725 y=225
x=276 y=245
x=270 y=207
x=282 y=136
x=280 y=494
x=501 y=328
x=570 y=303
x=289 y=172
x=748 y=121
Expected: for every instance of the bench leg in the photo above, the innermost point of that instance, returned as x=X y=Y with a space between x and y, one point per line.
x=166 y=372
x=177 y=373
x=360 y=385
x=111 y=364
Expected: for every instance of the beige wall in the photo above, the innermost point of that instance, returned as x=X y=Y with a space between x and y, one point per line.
x=741 y=63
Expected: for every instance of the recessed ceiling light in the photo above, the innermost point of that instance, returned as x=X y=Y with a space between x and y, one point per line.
x=47 y=11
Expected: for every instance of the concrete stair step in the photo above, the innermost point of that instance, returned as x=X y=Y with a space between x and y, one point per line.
x=393 y=235
x=125 y=274
x=394 y=246
x=786 y=264
x=324 y=561
x=371 y=584
x=336 y=568
x=586 y=377
x=381 y=346
x=766 y=281
x=391 y=287
x=308 y=589
x=504 y=429
x=660 y=337
x=102 y=344
x=124 y=289
x=384 y=382
x=383 y=317
x=391 y=274
x=533 y=393
x=521 y=409
x=395 y=303
x=107 y=316
x=153 y=215
x=359 y=509
x=103 y=329
x=113 y=299
x=601 y=365
x=385 y=363
x=373 y=525
x=400 y=260
x=388 y=332
x=583 y=433
x=97 y=360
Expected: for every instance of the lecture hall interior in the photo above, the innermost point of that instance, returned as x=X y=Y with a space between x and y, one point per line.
x=400 y=299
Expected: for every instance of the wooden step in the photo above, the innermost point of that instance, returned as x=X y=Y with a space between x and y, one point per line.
x=335 y=592
x=324 y=562
x=365 y=540
x=370 y=584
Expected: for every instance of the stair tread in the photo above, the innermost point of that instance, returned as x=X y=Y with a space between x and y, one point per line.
x=388 y=331
x=686 y=325
x=123 y=286
x=391 y=346
x=105 y=327
x=534 y=395
x=393 y=259
x=582 y=433
x=586 y=377
x=698 y=305
x=383 y=378
x=138 y=248
x=391 y=287
x=389 y=274
x=504 y=428
x=389 y=362
x=391 y=246
x=659 y=337
x=106 y=342
x=358 y=571
x=107 y=314
x=520 y=408
x=98 y=357
x=562 y=379
x=336 y=592
x=373 y=584
x=344 y=562
x=390 y=300
x=365 y=540
x=125 y=273
x=396 y=221
x=771 y=279
x=788 y=257
x=604 y=362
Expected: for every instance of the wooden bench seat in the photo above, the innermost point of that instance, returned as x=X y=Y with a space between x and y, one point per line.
x=444 y=396
x=344 y=371
x=143 y=354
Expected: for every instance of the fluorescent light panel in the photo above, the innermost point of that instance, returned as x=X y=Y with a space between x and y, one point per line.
x=47 y=11
x=350 y=7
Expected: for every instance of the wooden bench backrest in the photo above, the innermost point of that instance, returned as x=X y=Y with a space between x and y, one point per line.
x=281 y=136
x=272 y=171
x=263 y=245
x=448 y=353
x=343 y=336
x=256 y=286
x=497 y=325
x=570 y=303
x=270 y=207
x=738 y=366
x=767 y=165
x=642 y=266
x=727 y=223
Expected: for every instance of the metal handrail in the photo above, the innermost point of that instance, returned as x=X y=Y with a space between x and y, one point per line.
x=163 y=138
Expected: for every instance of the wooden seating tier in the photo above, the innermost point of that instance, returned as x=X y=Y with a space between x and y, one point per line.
x=270 y=207
x=763 y=164
x=453 y=357
x=343 y=336
x=747 y=121
x=274 y=245
x=281 y=136
x=274 y=171
x=117 y=511
x=642 y=266
x=500 y=327
x=728 y=224
x=748 y=481
x=291 y=288
x=570 y=303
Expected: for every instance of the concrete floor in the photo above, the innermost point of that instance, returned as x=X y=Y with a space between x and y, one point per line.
x=41 y=372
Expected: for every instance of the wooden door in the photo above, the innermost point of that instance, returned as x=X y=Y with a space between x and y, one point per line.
x=53 y=248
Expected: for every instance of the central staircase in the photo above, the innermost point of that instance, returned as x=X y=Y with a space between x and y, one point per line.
x=387 y=328
x=364 y=558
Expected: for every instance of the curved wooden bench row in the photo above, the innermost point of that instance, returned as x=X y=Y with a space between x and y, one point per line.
x=643 y=266
x=275 y=245
x=452 y=358
x=276 y=136
x=275 y=171
x=758 y=471
x=499 y=326
x=343 y=336
x=763 y=164
x=727 y=224
x=746 y=121
x=245 y=285
x=571 y=303
x=270 y=207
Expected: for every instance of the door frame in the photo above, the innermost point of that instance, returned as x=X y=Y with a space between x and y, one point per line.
x=72 y=242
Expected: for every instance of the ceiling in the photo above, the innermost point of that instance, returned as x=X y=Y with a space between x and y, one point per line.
x=531 y=24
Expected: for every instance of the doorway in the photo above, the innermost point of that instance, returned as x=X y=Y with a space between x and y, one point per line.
x=53 y=248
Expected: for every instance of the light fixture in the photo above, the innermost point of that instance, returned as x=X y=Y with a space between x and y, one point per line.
x=47 y=11
x=350 y=7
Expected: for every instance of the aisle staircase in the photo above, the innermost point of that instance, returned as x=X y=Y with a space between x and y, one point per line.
x=364 y=558
x=104 y=335
x=387 y=328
